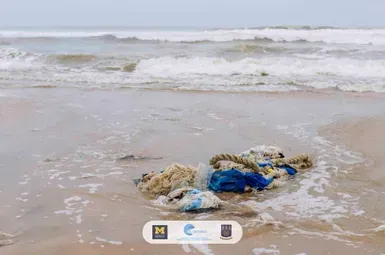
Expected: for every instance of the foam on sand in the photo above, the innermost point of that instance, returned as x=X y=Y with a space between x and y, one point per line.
x=263 y=251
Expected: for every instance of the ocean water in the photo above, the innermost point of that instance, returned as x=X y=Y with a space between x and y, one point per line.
x=234 y=60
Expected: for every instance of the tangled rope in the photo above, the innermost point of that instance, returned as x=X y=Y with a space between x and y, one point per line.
x=221 y=165
x=162 y=183
x=300 y=162
x=236 y=159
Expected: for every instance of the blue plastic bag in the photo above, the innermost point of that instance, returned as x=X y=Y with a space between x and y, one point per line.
x=234 y=180
x=290 y=170
x=228 y=181
x=257 y=181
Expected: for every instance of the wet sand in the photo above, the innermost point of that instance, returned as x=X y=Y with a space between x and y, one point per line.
x=365 y=135
x=62 y=189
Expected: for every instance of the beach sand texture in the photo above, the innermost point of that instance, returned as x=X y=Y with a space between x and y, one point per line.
x=63 y=191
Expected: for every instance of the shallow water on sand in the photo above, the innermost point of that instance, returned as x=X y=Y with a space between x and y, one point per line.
x=64 y=190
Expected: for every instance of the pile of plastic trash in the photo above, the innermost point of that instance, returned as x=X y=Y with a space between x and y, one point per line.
x=186 y=188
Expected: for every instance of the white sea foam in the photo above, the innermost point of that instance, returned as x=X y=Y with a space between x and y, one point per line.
x=203 y=248
x=379 y=229
x=107 y=241
x=307 y=200
x=22 y=200
x=78 y=219
x=263 y=251
x=11 y=58
x=171 y=67
x=73 y=206
x=57 y=174
x=213 y=73
x=92 y=187
x=89 y=175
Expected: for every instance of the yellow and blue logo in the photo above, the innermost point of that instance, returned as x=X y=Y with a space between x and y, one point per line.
x=159 y=232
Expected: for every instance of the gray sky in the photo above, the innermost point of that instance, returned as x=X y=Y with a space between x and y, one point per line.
x=211 y=13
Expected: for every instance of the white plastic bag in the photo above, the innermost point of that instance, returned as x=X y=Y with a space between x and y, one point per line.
x=203 y=176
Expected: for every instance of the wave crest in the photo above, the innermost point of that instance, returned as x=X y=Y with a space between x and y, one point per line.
x=249 y=48
x=72 y=58
x=129 y=68
x=114 y=38
x=276 y=34
x=12 y=53
x=301 y=27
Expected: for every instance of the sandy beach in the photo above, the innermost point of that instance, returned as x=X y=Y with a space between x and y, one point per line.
x=64 y=191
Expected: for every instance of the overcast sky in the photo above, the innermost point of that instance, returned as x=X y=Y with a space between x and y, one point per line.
x=209 y=13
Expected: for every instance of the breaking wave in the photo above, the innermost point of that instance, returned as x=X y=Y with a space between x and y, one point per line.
x=128 y=68
x=11 y=53
x=277 y=34
x=113 y=38
x=169 y=66
x=13 y=58
x=253 y=48
x=279 y=66
x=222 y=67
x=303 y=27
x=72 y=58
x=207 y=73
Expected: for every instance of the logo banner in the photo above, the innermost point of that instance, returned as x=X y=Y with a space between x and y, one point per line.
x=192 y=232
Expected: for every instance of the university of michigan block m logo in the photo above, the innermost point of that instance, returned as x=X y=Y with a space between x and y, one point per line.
x=159 y=232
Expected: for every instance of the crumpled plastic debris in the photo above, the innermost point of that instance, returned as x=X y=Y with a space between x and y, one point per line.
x=189 y=199
x=203 y=176
x=263 y=151
x=233 y=180
x=184 y=187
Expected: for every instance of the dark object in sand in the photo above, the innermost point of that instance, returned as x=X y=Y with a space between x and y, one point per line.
x=136 y=181
x=134 y=157
x=51 y=159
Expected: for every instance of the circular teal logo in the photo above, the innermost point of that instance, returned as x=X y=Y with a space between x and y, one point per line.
x=188 y=229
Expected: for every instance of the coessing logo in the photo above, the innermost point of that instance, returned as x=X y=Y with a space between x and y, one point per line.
x=159 y=232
